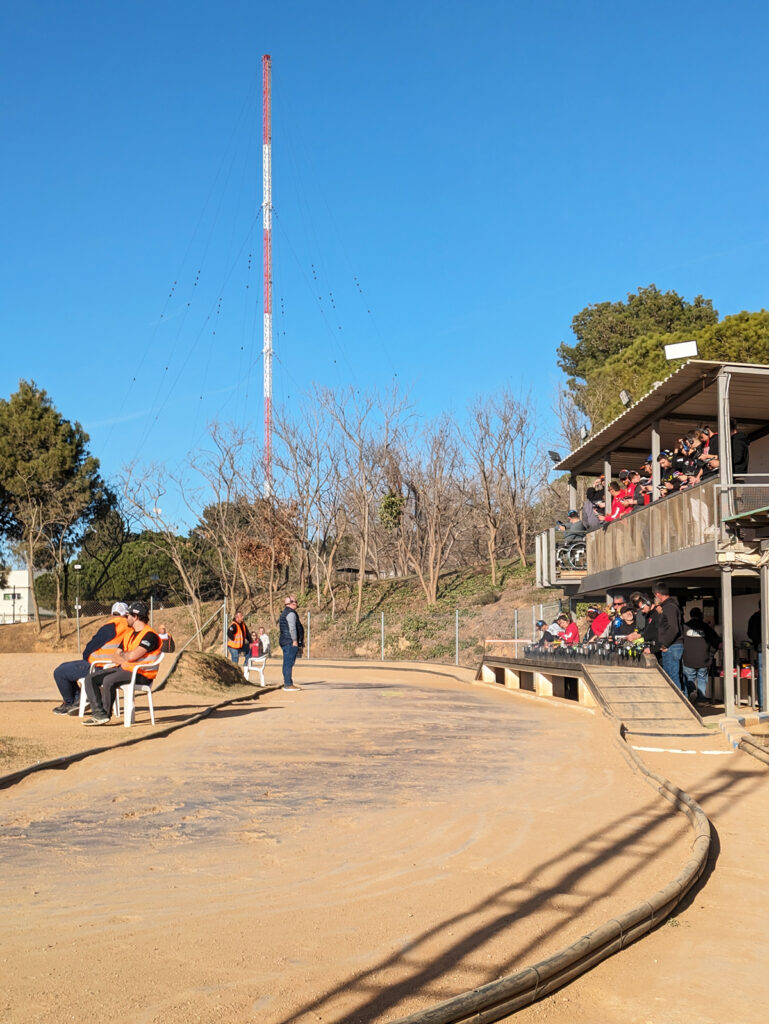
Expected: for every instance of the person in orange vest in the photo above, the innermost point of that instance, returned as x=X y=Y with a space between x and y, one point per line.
x=100 y=645
x=238 y=639
x=139 y=644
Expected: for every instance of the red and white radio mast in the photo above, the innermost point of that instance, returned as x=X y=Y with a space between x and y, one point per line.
x=267 y=248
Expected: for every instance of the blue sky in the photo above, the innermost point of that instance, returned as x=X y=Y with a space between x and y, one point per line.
x=452 y=183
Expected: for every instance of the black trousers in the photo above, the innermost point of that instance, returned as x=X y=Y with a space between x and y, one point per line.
x=100 y=687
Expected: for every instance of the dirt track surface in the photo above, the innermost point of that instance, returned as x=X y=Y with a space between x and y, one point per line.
x=707 y=964
x=355 y=851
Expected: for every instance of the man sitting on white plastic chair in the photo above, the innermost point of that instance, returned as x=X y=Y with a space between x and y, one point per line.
x=141 y=644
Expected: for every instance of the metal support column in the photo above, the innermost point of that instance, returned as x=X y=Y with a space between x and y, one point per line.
x=726 y=503
x=573 y=492
x=728 y=640
x=309 y=634
x=764 y=606
x=655 y=463
x=456 y=636
x=224 y=628
x=606 y=482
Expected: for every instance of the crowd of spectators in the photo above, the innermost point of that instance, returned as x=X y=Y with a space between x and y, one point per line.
x=694 y=459
x=646 y=623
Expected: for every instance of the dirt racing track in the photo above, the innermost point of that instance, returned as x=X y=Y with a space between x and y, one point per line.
x=370 y=848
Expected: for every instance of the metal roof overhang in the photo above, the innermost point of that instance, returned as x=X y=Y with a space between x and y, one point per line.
x=679 y=403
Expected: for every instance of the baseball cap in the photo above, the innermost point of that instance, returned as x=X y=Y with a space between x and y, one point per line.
x=573 y=512
x=592 y=610
x=140 y=610
x=119 y=608
x=541 y=622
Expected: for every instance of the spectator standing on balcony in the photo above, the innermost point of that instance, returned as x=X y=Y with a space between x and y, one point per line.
x=700 y=644
x=596 y=495
x=740 y=450
x=669 y=481
x=669 y=632
x=617 y=505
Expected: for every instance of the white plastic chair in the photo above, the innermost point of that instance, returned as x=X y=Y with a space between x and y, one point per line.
x=102 y=663
x=257 y=665
x=132 y=688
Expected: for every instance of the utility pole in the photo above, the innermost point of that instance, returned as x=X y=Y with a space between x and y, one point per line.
x=267 y=251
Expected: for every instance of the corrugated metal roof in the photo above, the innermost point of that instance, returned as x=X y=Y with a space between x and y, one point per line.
x=688 y=394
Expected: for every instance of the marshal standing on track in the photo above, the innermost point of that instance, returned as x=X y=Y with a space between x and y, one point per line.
x=291 y=640
x=238 y=639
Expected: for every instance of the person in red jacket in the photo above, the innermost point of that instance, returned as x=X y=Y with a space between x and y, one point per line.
x=569 y=630
x=598 y=623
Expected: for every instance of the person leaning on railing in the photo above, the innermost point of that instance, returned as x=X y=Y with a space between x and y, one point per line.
x=574 y=530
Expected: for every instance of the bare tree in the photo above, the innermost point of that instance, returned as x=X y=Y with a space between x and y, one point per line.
x=144 y=492
x=367 y=424
x=524 y=468
x=487 y=444
x=435 y=506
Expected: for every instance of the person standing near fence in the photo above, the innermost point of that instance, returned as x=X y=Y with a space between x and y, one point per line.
x=291 y=639
x=238 y=639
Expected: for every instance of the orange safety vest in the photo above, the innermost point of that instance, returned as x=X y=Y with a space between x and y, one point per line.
x=110 y=650
x=239 y=642
x=130 y=643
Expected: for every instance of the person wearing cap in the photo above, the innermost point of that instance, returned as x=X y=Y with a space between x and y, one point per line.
x=102 y=645
x=290 y=639
x=137 y=645
x=545 y=635
x=573 y=530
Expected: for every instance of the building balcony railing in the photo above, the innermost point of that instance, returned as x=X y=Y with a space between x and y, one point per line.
x=680 y=521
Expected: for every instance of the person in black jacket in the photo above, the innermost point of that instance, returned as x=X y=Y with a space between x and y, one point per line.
x=669 y=632
x=700 y=644
x=291 y=639
x=754 y=635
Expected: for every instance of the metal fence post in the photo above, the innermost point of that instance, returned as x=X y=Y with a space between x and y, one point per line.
x=382 y=636
x=533 y=622
x=309 y=633
x=516 y=623
x=224 y=628
x=456 y=636
x=152 y=609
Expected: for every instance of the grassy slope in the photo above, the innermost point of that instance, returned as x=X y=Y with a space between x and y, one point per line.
x=412 y=629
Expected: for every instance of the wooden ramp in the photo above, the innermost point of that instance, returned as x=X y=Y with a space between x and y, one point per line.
x=645 y=700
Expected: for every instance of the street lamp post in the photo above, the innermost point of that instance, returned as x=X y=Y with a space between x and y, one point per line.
x=155 y=580
x=77 y=567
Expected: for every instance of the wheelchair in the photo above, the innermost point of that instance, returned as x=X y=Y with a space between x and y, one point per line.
x=571 y=555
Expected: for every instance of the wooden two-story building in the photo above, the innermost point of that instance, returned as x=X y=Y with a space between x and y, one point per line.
x=710 y=542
